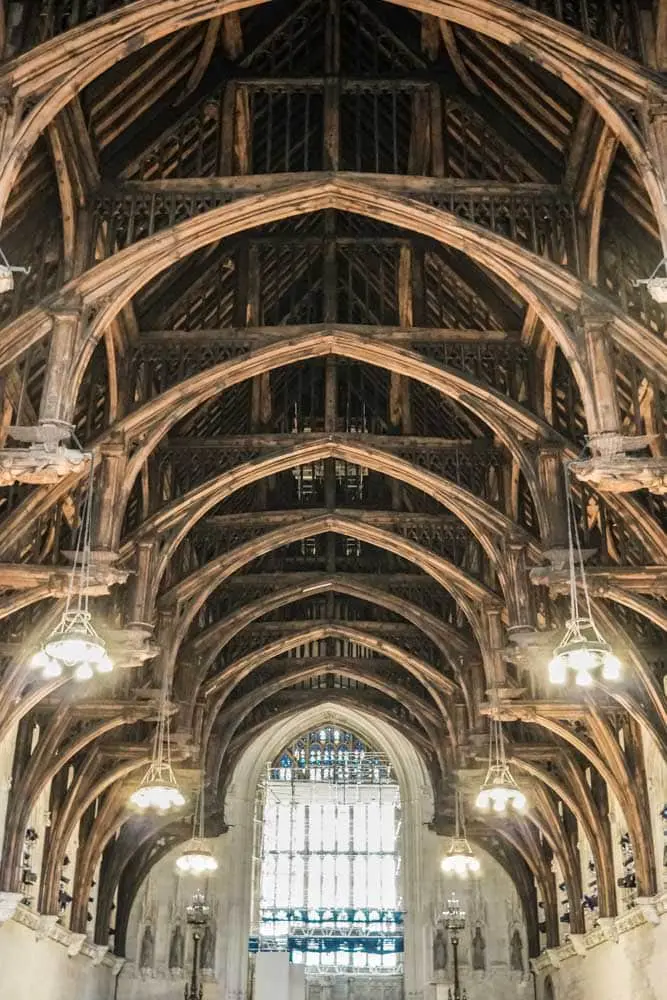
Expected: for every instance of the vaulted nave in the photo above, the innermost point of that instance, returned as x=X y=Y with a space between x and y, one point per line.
x=333 y=517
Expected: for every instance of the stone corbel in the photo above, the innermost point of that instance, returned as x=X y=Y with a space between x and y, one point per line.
x=649 y=908
x=75 y=945
x=98 y=953
x=578 y=942
x=45 y=925
x=9 y=902
x=45 y=462
x=609 y=927
x=554 y=957
x=118 y=964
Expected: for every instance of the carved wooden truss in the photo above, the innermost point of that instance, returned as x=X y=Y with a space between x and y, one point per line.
x=327 y=292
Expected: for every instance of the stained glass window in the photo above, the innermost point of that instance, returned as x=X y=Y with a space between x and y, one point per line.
x=329 y=881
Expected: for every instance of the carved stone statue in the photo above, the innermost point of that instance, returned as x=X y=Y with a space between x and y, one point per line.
x=439 y=949
x=208 y=948
x=478 y=949
x=516 y=952
x=147 y=950
x=176 y=949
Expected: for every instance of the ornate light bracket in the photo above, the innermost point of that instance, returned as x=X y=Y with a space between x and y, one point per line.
x=612 y=470
x=46 y=461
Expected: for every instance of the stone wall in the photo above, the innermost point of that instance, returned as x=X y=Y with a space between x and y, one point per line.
x=40 y=960
x=625 y=959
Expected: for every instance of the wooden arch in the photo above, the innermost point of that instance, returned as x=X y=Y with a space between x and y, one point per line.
x=173 y=523
x=59 y=69
x=446 y=638
x=508 y=420
x=191 y=594
x=238 y=712
x=547 y=287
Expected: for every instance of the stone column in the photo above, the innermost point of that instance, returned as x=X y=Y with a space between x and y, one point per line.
x=56 y=404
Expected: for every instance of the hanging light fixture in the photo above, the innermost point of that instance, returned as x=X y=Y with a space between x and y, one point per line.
x=197 y=857
x=459 y=859
x=499 y=790
x=159 y=789
x=583 y=651
x=74 y=648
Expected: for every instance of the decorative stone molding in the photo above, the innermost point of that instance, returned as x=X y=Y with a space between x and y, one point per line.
x=39 y=466
x=46 y=925
x=608 y=929
x=118 y=964
x=578 y=942
x=9 y=902
x=98 y=952
x=76 y=944
x=623 y=474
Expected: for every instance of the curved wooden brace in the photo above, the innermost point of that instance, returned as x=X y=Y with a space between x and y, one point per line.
x=43 y=766
x=447 y=639
x=509 y=859
x=590 y=824
x=521 y=835
x=548 y=821
x=88 y=785
x=546 y=287
x=59 y=69
x=206 y=645
x=107 y=821
x=132 y=844
x=510 y=422
x=327 y=695
x=604 y=759
x=177 y=519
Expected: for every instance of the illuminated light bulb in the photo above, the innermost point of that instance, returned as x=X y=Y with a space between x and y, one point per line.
x=52 y=669
x=558 y=670
x=104 y=665
x=197 y=859
x=40 y=661
x=519 y=800
x=583 y=660
x=83 y=672
x=611 y=667
x=158 y=796
x=69 y=649
x=483 y=800
x=583 y=678
x=460 y=860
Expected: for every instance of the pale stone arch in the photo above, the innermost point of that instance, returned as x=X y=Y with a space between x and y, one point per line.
x=417 y=811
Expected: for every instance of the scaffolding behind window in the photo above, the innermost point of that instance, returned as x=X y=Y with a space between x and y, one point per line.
x=330 y=864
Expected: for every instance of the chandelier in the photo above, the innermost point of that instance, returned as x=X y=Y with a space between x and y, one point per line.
x=159 y=789
x=197 y=857
x=74 y=647
x=459 y=859
x=583 y=651
x=499 y=790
